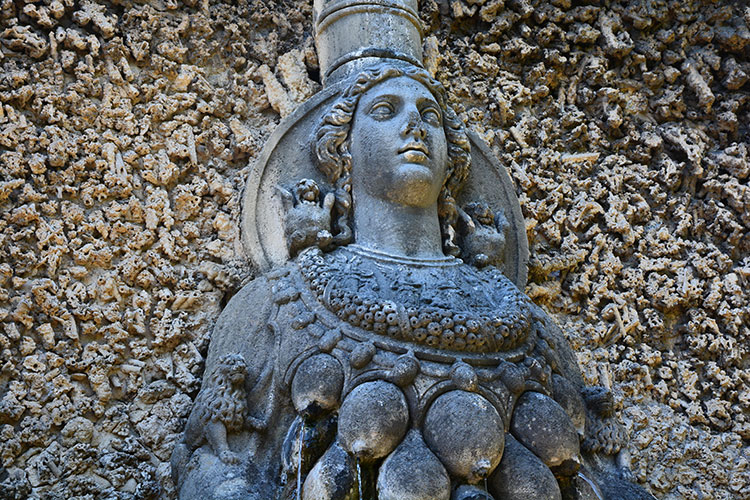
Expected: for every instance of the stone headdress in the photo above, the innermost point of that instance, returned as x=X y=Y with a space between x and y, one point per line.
x=353 y=34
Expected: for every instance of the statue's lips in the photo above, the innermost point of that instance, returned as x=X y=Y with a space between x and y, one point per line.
x=415 y=152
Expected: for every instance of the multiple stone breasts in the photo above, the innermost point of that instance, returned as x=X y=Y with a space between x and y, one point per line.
x=379 y=415
x=457 y=445
x=339 y=411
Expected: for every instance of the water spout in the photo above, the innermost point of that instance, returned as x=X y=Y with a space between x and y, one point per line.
x=594 y=486
x=359 y=480
x=299 y=460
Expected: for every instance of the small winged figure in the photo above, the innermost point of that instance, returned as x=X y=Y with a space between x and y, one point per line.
x=308 y=222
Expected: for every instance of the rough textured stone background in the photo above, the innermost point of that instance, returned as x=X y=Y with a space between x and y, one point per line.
x=126 y=128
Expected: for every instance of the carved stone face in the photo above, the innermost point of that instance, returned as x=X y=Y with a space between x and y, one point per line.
x=237 y=374
x=398 y=145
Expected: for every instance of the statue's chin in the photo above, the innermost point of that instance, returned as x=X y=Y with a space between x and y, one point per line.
x=415 y=185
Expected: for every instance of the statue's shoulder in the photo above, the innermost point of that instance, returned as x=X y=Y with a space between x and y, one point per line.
x=245 y=304
x=242 y=325
x=254 y=298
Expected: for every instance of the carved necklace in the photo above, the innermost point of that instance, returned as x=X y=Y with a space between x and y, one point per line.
x=371 y=291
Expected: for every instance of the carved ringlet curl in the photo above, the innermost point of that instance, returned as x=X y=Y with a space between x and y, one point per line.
x=331 y=150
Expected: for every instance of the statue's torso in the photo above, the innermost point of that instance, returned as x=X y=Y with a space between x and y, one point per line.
x=448 y=338
x=370 y=311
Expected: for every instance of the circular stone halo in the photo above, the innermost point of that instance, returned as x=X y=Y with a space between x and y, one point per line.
x=287 y=157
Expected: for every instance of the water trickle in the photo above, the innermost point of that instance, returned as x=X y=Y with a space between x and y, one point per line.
x=299 y=460
x=359 y=480
x=594 y=486
x=486 y=494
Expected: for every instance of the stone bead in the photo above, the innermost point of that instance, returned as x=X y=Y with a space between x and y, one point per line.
x=404 y=370
x=329 y=341
x=513 y=377
x=542 y=426
x=464 y=376
x=362 y=354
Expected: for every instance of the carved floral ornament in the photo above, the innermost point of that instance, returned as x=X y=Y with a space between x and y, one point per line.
x=387 y=351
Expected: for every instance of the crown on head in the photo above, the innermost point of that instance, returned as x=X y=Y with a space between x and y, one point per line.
x=353 y=34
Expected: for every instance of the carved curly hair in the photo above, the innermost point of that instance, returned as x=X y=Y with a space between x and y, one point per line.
x=331 y=150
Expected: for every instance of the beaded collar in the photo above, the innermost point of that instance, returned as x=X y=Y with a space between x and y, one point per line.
x=454 y=306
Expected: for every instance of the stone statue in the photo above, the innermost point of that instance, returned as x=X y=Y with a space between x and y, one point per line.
x=387 y=355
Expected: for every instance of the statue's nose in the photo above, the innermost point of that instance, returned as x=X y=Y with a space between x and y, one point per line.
x=414 y=125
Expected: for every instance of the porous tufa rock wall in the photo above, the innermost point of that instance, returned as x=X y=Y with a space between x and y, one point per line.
x=126 y=131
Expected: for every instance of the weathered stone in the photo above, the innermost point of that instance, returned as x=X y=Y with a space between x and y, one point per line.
x=119 y=241
x=372 y=421
x=569 y=398
x=413 y=472
x=317 y=385
x=450 y=429
x=333 y=476
x=542 y=426
x=521 y=474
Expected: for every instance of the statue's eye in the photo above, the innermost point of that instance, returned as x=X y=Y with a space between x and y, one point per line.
x=382 y=109
x=431 y=116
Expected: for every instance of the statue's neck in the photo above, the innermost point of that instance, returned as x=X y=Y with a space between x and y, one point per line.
x=397 y=229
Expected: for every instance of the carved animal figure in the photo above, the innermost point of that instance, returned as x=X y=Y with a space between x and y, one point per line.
x=307 y=222
x=482 y=235
x=221 y=410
